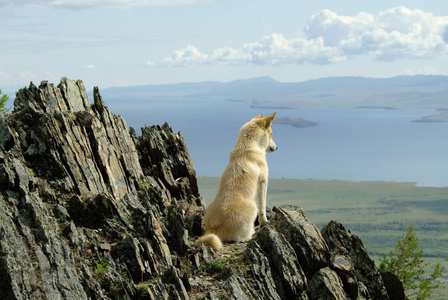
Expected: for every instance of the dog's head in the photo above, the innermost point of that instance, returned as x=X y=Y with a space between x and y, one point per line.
x=265 y=124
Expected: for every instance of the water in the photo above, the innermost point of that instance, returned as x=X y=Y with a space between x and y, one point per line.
x=351 y=144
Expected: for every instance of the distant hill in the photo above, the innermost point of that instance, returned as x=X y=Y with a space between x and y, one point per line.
x=441 y=117
x=418 y=91
x=295 y=122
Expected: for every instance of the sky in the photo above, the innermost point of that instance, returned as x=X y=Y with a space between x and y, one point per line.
x=109 y=43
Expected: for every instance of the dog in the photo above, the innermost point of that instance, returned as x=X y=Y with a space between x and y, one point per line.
x=231 y=216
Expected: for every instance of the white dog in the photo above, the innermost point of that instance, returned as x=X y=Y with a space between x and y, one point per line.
x=231 y=216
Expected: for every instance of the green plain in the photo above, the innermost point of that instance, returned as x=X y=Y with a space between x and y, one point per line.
x=378 y=212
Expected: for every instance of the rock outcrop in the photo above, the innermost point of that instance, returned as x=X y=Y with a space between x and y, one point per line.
x=91 y=210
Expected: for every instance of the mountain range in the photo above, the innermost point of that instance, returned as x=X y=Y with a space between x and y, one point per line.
x=419 y=91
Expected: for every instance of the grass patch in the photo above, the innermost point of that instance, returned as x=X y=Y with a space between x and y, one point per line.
x=102 y=268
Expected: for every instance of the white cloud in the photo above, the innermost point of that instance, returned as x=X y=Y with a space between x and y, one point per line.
x=190 y=55
x=330 y=38
x=82 y=4
x=395 y=33
x=274 y=49
x=334 y=28
x=88 y=67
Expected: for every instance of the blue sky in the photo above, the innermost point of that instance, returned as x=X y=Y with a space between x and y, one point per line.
x=132 y=42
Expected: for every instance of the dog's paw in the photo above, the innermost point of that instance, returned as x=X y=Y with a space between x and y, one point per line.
x=262 y=220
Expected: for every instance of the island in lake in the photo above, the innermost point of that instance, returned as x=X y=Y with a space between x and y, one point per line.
x=442 y=117
x=296 y=122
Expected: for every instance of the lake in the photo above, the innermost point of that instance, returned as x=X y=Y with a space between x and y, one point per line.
x=349 y=143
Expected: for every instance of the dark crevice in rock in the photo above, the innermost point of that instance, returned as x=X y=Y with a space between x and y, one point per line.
x=6 y=291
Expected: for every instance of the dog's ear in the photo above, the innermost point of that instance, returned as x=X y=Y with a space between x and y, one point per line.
x=260 y=116
x=269 y=119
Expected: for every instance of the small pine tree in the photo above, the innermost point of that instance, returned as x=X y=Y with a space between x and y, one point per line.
x=406 y=262
x=3 y=99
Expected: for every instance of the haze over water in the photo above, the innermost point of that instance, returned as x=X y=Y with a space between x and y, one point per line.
x=349 y=144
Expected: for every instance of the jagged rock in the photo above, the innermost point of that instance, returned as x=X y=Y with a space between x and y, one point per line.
x=174 y=284
x=91 y=210
x=393 y=285
x=177 y=233
x=342 y=242
x=327 y=285
x=6 y=136
x=306 y=239
x=346 y=272
x=163 y=155
x=233 y=287
x=76 y=210
x=261 y=273
x=290 y=280
x=155 y=290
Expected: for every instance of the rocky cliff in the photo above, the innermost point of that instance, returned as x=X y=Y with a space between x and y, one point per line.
x=91 y=210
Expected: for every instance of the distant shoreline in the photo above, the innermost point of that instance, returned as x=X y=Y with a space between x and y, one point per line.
x=441 y=117
x=342 y=181
x=377 y=107
x=265 y=105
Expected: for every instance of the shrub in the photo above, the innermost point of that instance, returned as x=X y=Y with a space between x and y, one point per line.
x=406 y=262
x=3 y=99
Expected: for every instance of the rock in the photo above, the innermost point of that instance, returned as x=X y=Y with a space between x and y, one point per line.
x=327 y=285
x=155 y=290
x=174 y=284
x=233 y=288
x=346 y=272
x=163 y=155
x=75 y=211
x=393 y=285
x=306 y=239
x=261 y=272
x=91 y=210
x=286 y=270
x=6 y=136
x=342 y=242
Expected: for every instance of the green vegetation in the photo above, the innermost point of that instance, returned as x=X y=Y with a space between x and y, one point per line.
x=3 y=99
x=378 y=212
x=102 y=268
x=144 y=185
x=73 y=117
x=215 y=266
x=143 y=290
x=231 y=258
x=31 y=172
x=406 y=262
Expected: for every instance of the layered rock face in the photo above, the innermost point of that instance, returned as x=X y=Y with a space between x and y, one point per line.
x=91 y=210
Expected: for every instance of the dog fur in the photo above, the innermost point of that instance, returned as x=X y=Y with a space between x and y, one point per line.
x=231 y=216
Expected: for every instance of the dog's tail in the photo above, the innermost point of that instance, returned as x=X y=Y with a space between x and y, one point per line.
x=211 y=240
